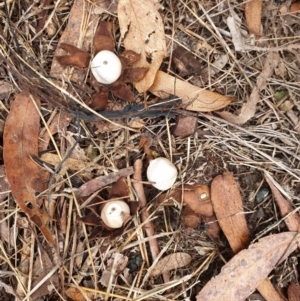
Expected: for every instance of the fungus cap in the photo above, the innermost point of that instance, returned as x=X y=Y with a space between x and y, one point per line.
x=162 y=172
x=106 y=67
x=114 y=213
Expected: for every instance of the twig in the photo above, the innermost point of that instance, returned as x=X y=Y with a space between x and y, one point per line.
x=149 y=228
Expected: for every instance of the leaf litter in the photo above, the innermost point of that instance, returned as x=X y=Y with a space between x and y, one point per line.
x=235 y=65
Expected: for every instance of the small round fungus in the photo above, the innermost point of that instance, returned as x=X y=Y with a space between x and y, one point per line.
x=114 y=213
x=162 y=172
x=106 y=67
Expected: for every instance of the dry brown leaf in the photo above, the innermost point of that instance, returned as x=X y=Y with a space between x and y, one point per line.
x=193 y=97
x=247 y=112
x=24 y=176
x=115 y=266
x=76 y=295
x=268 y=291
x=295 y=7
x=271 y=63
x=171 y=262
x=99 y=182
x=243 y=273
x=9 y=290
x=143 y=32
x=5 y=89
x=58 y=123
x=285 y=206
x=253 y=11
x=4 y=185
x=185 y=62
x=236 y=35
x=41 y=268
x=294 y=291
x=249 y=108
x=78 y=33
x=228 y=207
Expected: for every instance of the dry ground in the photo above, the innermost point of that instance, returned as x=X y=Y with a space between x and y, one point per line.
x=268 y=141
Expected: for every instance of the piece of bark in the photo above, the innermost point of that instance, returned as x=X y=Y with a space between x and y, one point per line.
x=185 y=126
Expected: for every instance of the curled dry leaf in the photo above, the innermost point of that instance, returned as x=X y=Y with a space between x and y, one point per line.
x=247 y=112
x=193 y=98
x=249 y=108
x=243 y=273
x=253 y=12
x=100 y=182
x=24 y=176
x=143 y=32
x=228 y=207
x=171 y=262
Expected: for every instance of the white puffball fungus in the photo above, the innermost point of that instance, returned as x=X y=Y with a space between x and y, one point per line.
x=162 y=172
x=115 y=213
x=106 y=67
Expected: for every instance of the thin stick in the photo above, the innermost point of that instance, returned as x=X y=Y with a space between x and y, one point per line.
x=148 y=227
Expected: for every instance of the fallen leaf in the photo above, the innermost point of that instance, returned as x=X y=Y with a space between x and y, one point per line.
x=99 y=182
x=104 y=126
x=4 y=185
x=5 y=89
x=76 y=295
x=142 y=29
x=171 y=262
x=235 y=30
x=228 y=207
x=294 y=291
x=295 y=7
x=247 y=112
x=215 y=67
x=41 y=268
x=24 y=176
x=253 y=13
x=185 y=62
x=115 y=266
x=193 y=98
x=9 y=290
x=268 y=291
x=285 y=206
x=243 y=273
x=271 y=63
x=79 y=33
x=58 y=123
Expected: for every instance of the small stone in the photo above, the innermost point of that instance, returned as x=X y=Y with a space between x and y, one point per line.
x=261 y=194
x=185 y=126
